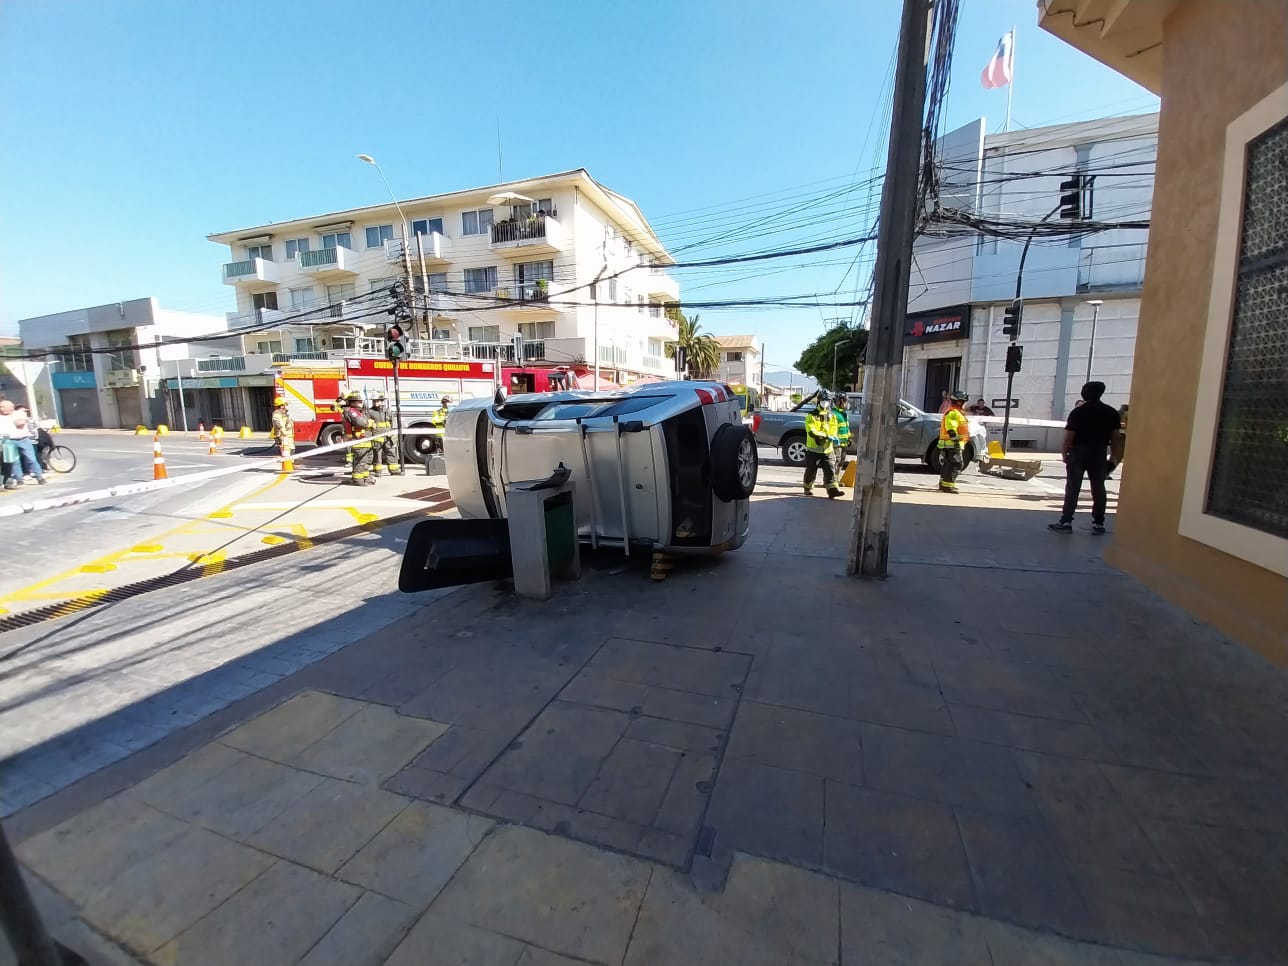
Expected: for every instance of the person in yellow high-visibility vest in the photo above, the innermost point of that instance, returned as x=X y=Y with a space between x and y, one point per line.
x=954 y=431
x=820 y=430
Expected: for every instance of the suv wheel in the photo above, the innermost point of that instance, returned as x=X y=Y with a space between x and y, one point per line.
x=734 y=463
x=794 y=451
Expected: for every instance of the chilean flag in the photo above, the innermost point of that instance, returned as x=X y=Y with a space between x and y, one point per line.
x=998 y=71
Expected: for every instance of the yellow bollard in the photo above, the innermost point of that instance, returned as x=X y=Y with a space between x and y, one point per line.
x=244 y=432
x=54 y=428
x=141 y=430
x=217 y=433
x=163 y=430
x=850 y=472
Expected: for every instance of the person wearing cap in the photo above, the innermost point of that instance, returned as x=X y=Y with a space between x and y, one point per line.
x=954 y=430
x=357 y=426
x=820 y=430
x=283 y=427
x=385 y=449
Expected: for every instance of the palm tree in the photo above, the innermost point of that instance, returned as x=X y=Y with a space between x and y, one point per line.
x=701 y=350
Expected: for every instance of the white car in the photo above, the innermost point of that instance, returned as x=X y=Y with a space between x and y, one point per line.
x=658 y=466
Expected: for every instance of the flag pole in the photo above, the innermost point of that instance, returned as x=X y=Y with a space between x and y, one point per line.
x=1010 y=88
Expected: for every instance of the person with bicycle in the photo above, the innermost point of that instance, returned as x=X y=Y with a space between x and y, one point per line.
x=21 y=433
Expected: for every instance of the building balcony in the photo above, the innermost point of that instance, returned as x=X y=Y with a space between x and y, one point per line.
x=328 y=263
x=435 y=248
x=252 y=272
x=504 y=352
x=258 y=317
x=661 y=287
x=533 y=235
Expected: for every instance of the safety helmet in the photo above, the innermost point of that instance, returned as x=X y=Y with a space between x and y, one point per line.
x=353 y=397
x=958 y=396
x=279 y=401
x=842 y=398
x=824 y=396
x=378 y=397
x=447 y=400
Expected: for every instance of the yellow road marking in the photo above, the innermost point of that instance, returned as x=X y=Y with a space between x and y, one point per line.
x=219 y=514
x=97 y=568
x=272 y=539
x=147 y=548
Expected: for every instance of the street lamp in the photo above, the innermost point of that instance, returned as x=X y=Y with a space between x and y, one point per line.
x=401 y=217
x=1095 y=317
x=835 y=349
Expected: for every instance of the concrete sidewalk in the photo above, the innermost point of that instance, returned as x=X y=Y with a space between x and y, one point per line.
x=1006 y=753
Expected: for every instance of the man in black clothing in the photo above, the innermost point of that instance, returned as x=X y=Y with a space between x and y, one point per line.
x=1092 y=447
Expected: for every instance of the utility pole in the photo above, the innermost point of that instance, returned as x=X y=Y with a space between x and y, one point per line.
x=870 y=534
x=762 y=368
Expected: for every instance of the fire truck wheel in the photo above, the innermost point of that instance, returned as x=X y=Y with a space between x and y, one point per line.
x=330 y=435
x=417 y=449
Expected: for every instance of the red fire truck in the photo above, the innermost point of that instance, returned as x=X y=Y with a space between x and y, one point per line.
x=313 y=391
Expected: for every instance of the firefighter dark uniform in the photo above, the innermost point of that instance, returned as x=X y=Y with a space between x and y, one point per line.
x=954 y=430
x=385 y=450
x=820 y=430
x=357 y=427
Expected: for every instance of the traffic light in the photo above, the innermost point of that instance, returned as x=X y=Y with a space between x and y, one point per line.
x=1071 y=199
x=1014 y=358
x=395 y=343
x=1012 y=317
x=681 y=358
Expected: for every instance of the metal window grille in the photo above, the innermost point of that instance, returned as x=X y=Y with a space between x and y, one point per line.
x=1249 y=482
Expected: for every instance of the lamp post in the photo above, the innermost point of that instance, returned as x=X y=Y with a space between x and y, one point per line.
x=835 y=349
x=411 y=297
x=1091 y=348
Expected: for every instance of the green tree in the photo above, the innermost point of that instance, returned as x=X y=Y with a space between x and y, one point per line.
x=847 y=345
x=701 y=350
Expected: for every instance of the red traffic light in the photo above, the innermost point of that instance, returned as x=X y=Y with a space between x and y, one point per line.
x=395 y=333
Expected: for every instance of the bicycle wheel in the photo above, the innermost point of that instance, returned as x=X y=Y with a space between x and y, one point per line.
x=62 y=459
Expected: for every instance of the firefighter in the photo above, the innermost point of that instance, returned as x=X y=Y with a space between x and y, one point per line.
x=842 y=411
x=385 y=449
x=820 y=430
x=954 y=430
x=439 y=417
x=357 y=426
x=283 y=427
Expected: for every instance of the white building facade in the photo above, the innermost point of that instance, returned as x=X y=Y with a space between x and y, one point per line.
x=962 y=281
x=739 y=360
x=559 y=261
x=103 y=364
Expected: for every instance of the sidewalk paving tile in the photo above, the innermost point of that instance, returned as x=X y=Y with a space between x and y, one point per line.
x=900 y=704
x=768 y=914
x=1205 y=801
x=1072 y=739
x=326 y=827
x=884 y=929
x=156 y=899
x=365 y=935
x=292 y=726
x=440 y=940
x=819 y=744
x=907 y=845
x=594 y=690
x=1139 y=910
x=1015 y=946
x=369 y=746
x=768 y=811
x=415 y=855
x=275 y=919
x=562 y=896
x=692 y=669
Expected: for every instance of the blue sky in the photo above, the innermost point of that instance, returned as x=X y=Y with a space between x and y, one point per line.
x=133 y=129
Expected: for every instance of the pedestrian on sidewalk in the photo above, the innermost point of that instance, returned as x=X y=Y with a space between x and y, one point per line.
x=358 y=427
x=9 y=459
x=820 y=430
x=1092 y=448
x=23 y=435
x=954 y=430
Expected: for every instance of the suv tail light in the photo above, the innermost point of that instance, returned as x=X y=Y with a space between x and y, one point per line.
x=755 y=422
x=706 y=397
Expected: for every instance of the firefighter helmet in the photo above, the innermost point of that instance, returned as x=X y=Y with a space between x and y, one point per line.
x=279 y=401
x=353 y=397
x=378 y=397
x=958 y=395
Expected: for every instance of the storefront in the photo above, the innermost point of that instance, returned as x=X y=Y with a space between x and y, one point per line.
x=78 y=400
x=229 y=402
x=936 y=349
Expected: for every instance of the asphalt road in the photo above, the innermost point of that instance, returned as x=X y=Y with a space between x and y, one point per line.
x=41 y=544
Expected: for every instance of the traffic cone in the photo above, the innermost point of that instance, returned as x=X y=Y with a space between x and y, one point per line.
x=158 y=459
x=201 y=430
x=288 y=460
x=213 y=448
x=661 y=566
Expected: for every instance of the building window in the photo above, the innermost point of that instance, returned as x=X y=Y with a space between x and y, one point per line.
x=383 y=285
x=260 y=251
x=294 y=246
x=438 y=282
x=337 y=239
x=338 y=293
x=530 y=273
x=301 y=297
x=480 y=280
x=640 y=301
x=476 y=222
x=76 y=357
x=263 y=300
x=377 y=235
x=268 y=346
x=123 y=341
x=1250 y=456
x=427 y=226
x=485 y=333
x=612 y=290
x=532 y=331
x=733 y=357
x=305 y=345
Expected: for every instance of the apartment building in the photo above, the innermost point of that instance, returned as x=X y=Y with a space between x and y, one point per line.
x=527 y=271
x=739 y=360
x=1074 y=287
x=104 y=364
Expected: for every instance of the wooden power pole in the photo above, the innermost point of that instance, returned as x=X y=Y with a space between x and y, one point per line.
x=870 y=534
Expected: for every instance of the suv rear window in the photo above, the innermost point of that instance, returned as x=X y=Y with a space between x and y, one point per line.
x=597 y=408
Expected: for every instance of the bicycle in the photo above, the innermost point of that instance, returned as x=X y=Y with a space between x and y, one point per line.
x=54 y=456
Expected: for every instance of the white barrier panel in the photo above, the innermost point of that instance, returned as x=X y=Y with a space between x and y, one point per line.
x=129 y=489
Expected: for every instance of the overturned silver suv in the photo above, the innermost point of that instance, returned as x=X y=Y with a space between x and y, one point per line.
x=665 y=466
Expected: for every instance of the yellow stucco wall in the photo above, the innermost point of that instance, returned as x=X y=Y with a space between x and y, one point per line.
x=1219 y=60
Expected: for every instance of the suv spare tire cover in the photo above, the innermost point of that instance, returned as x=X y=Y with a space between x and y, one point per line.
x=734 y=463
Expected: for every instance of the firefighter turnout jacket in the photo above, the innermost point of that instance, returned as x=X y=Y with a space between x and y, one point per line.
x=820 y=430
x=954 y=429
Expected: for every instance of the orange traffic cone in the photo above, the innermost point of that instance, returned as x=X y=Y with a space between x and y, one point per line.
x=213 y=448
x=158 y=460
x=288 y=460
x=201 y=430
